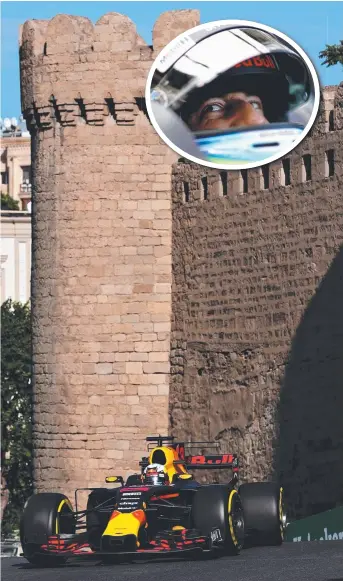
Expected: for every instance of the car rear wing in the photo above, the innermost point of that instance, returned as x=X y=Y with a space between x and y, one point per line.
x=207 y=461
x=195 y=461
x=203 y=461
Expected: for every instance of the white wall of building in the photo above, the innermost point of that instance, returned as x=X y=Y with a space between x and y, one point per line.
x=15 y=256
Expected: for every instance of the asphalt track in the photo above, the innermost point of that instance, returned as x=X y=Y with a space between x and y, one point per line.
x=317 y=561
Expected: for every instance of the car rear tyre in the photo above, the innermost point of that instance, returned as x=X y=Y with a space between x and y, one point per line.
x=45 y=514
x=96 y=521
x=216 y=507
x=264 y=513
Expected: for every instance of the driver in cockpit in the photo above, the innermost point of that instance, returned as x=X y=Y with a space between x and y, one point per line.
x=254 y=92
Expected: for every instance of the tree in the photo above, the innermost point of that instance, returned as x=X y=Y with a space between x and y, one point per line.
x=16 y=402
x=8 y=203
x=333 y=54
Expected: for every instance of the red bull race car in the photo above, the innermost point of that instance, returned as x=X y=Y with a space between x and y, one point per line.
x=161 y=510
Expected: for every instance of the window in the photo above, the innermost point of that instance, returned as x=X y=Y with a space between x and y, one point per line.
x=244 y=177
x=286 y=172
x=4 y=178
x=186 y=191
x=329 y=163
x=265 y=177
x=26 y=173
x=306 y=169
x=204 y=187
x=331 y=121
x=223 y=179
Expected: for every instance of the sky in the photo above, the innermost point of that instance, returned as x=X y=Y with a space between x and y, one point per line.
x=311 y=25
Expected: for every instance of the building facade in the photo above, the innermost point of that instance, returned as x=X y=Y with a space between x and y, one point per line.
x=15 y=256
x=168 y=297
x=16 y=163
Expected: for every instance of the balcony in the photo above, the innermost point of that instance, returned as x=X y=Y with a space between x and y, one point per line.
x=25 y=194
x=25 y=189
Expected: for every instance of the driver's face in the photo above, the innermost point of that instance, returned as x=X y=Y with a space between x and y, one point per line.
x=228 y=111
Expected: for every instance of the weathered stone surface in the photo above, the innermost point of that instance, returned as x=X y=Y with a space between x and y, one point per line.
x=170 y=24
x=257 y=341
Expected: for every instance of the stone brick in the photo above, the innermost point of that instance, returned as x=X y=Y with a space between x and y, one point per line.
x=139 y=410
x=156 y=367
x=138 y=357
x=134 y=367
x=107 y=357
x=132 y=399
x=104 y=368
x=114 y=454
x=144 y=346
x=162 y=327
x=158 y=356
x=147 y=390
x=131 y=389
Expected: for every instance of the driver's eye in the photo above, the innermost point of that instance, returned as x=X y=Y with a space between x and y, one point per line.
x=212 y=108
x=256 y=104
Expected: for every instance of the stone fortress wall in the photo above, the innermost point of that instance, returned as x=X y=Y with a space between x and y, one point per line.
x=257 y=333
x=125 y=284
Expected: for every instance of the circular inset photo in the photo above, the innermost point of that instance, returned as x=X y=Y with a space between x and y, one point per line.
x=232 y=94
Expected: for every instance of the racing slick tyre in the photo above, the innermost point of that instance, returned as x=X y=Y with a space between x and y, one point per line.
x=96 y=521
x=45 y=514
x=216 y=508
x=264 y=514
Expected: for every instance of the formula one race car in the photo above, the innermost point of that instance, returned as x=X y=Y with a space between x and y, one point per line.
x=163 y=509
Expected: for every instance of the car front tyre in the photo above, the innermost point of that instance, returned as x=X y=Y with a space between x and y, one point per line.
x=45 y=514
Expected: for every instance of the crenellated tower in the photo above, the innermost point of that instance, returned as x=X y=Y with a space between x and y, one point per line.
x=101 y=269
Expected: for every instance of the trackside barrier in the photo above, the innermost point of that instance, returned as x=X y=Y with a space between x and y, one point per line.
x=326 y=526
x=10 y=548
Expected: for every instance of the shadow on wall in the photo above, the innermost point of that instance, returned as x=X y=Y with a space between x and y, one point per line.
x=309 y=455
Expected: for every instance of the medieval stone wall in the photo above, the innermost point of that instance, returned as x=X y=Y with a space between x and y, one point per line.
x=257 y=334
x=101 y=269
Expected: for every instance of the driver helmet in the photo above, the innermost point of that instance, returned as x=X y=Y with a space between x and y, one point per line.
x=272 y=86
x=256 y=91
x=154 y=474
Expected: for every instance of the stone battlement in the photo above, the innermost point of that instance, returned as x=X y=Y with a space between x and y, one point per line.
x=68 y=59
x=76 y=73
